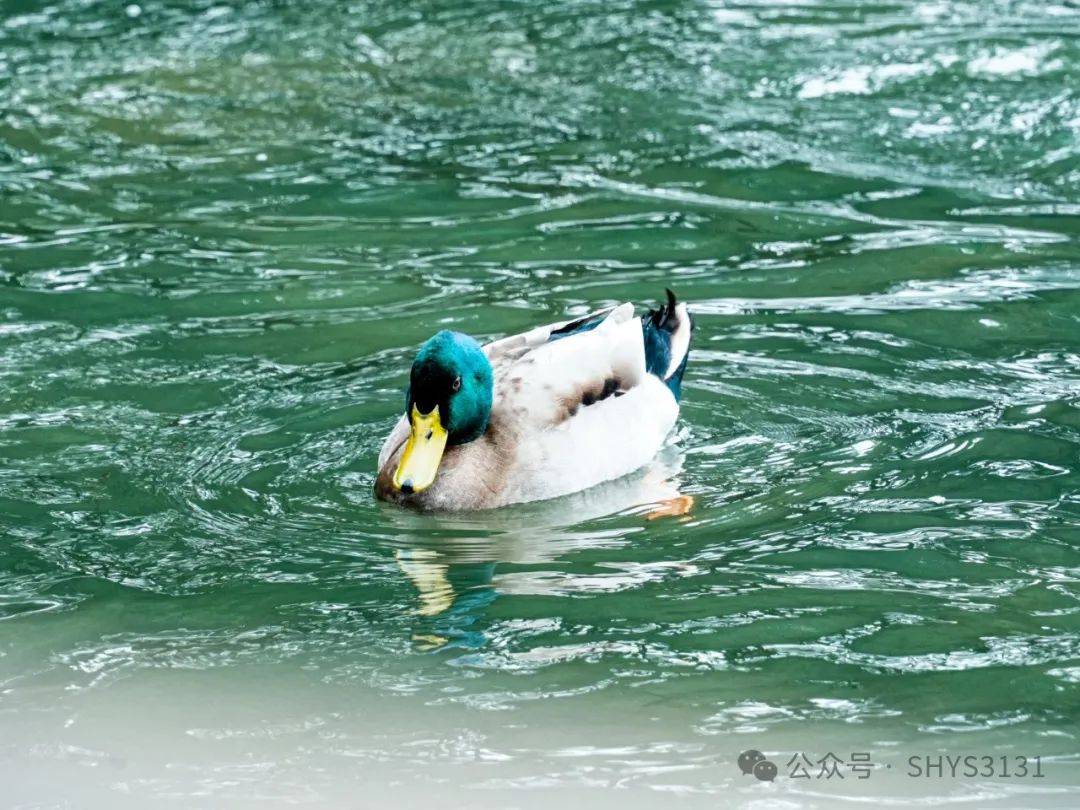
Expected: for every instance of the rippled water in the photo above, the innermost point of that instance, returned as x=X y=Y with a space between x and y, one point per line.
x=223 y=232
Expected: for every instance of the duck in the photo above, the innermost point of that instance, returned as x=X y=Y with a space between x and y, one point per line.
x=537 y=415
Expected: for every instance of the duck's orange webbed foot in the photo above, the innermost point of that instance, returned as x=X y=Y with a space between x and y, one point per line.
x=678 y=506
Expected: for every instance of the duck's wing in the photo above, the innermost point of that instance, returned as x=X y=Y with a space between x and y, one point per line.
x=592 y=404
x=544 y=376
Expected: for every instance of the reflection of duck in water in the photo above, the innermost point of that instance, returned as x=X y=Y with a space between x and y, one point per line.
x=451 y=597
x=452 y=559
x=537 y=415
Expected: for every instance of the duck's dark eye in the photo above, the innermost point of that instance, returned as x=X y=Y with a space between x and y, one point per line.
x=456 y=384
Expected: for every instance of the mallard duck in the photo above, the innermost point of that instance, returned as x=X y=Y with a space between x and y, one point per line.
x=537 y=415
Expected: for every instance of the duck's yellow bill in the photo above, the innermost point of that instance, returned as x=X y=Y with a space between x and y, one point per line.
x=423 y=452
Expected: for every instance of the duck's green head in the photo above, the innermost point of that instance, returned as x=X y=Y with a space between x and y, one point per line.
x=448 y=402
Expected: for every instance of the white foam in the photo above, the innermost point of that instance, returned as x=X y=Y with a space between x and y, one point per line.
x=860 y=80
x=1029 y=61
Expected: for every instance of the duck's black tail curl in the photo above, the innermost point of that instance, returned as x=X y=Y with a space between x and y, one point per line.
x=667 y=333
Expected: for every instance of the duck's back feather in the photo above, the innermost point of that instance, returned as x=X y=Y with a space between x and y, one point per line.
x=580 y=406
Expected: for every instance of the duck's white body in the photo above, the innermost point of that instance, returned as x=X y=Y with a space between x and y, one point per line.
x=570 y=409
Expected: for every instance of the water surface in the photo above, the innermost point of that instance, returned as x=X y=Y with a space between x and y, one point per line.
x=224 y=229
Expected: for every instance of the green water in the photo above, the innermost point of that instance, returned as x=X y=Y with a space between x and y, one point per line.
x=223 y=232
